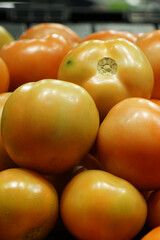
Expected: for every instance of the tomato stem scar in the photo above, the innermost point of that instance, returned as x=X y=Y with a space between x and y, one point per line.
x=107 y=66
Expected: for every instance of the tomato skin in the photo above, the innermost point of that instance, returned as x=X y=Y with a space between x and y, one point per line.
x=28 y=205
x=35 y=59
x=97 y=205
x=150 y=45
x=4 y=76
x=109 y=34
x=5 y=161
x=109 y=70
x=128 y=142
x=44 y=29
x=153 y=234
x=5 y=36
x=53 y=132
x=153 y=218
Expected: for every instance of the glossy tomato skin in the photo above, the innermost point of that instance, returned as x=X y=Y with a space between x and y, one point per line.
x=35 y=59
x=4 y=76
x=57 y=123
x=153 y=218
x=44 y=29
x=153 y=234
x=28 y=205
x=109 y=70
x=150 y=45
x=98 y=205
x=109 y=34
x=5 y=161
x=128 y=142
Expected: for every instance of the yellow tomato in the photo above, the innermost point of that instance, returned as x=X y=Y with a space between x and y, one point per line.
x=5 y=36
x=109 y=70
x=49 y=125
x=5 y=160
x=98 y=205
x=28 y=205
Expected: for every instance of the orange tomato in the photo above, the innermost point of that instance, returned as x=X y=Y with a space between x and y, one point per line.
x=128 y=142
x=4 y=76
x=150 y=45
x=44 y=29
x=153 y=218
x=55 y=125
x=28 y=205
x=110 y=71
x=35 y=59
x=5 y=160
x=153 y=234
x=108 y=34
x=98 y=205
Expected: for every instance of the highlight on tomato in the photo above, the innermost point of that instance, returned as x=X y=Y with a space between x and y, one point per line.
x=4 y=76
x=55 y=125
x=153 y=234
x=5 y=161
x=34 y=59
x=98 y=205
x=128 y=142
x=42 y=30
x=149 y=43
x=110 y=71
x=109 y=34
x=29 y=205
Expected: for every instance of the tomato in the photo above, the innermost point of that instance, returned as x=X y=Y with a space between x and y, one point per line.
x=153 y=234
x=154 y=209
x=60 y=180
x=28 y=205
x=128 y=142
x=138 y=34
x=5 y=36
x=98 y=205
x=4 y=76
x=5 y=160
x=150 y=45
x=55 y=125
x=108 y=34
x=109 y=70
x=43 y=29
x=35 y=59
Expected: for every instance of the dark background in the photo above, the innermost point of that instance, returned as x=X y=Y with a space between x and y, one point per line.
x=83 y=16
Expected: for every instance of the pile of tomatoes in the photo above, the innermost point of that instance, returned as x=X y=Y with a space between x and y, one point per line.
x=80 y=135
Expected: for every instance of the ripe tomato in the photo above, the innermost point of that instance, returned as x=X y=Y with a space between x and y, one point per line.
x=154 y=209
x=108 y=34
x=153 y=234
x=128 y=142
x=109 y=70
x=4 y=76
x=5 y=160
x=98 y=205
x=28 y=205
x=150 y=45
x=55 y=125
x=35 y=59
x=43 y=29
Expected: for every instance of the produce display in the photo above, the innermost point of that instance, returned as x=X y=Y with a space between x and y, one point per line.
x=79 y=135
